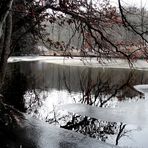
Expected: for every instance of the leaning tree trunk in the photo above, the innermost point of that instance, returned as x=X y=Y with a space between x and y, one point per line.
x=5 y=48
x=5 y=6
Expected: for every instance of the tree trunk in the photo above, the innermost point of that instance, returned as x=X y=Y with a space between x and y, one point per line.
x=6 y=48
x=4 y=11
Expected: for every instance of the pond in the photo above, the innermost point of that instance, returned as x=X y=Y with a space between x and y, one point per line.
x=54 y=92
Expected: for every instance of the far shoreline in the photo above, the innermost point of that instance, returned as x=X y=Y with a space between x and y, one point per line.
x=139 y=64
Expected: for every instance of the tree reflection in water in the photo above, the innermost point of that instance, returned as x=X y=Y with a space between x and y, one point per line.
x=95 y=86
x=96 y=92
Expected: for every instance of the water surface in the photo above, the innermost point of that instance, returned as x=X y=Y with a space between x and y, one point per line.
x=40 y=87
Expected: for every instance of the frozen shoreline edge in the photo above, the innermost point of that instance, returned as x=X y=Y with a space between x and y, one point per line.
x=81 y=61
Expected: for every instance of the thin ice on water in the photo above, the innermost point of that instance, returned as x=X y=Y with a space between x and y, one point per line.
x=133 y=115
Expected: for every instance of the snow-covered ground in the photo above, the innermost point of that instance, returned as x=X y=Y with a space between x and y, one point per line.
x=42 y=135
x=80 y=61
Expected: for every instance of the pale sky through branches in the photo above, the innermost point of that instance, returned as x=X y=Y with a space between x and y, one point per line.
x=137 y=3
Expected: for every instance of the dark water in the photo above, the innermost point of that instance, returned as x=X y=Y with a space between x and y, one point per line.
x=37 y=88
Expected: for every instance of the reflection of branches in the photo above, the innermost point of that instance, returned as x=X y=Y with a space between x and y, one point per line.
x=54 y=119
x=120 y=133
x=99 y=91
x=90 y=84
x=91 y=127
x=65 y=81
x=117 y=90
x=95 y=128
x=34 y=99
x=73 y=124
